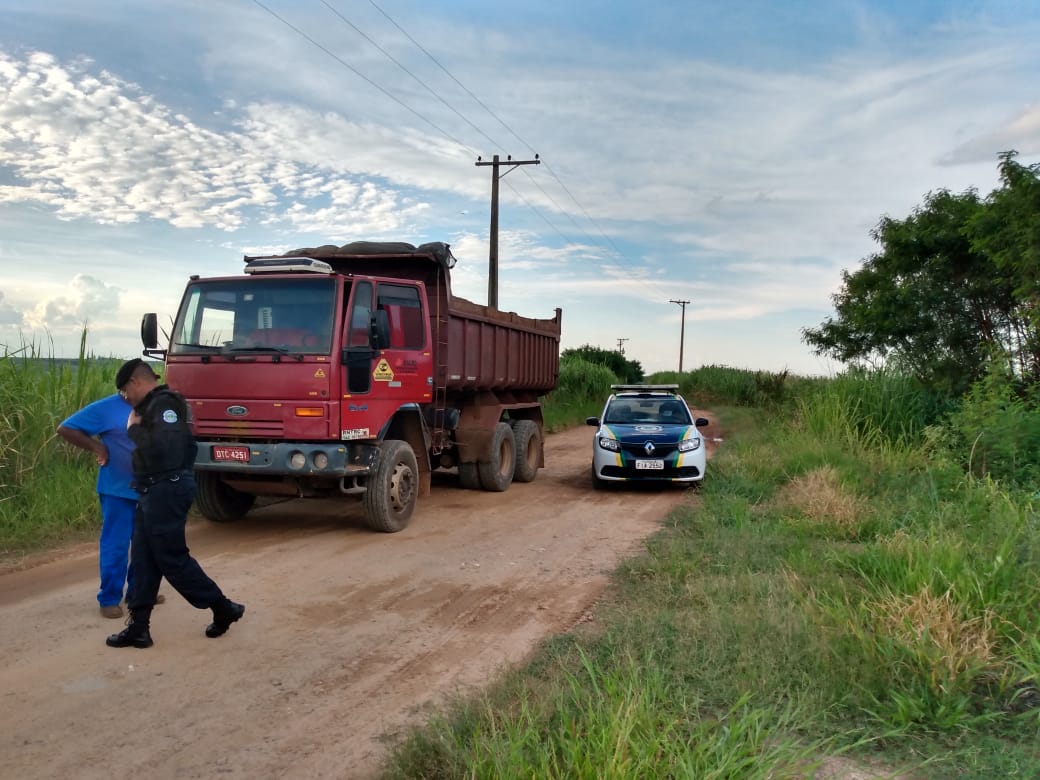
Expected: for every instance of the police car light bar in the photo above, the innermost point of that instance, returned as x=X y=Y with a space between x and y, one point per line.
x=288 y=265
x=644 y=388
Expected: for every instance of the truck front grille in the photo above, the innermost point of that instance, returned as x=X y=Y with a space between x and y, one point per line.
x=234 y=429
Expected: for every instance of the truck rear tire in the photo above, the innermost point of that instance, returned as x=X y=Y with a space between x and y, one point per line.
x=497 y=474
x=469 y=477
x=219 y=502
x=528 y=450
x=392 y=488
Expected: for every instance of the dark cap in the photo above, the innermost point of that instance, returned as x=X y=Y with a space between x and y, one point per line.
x=127 y=370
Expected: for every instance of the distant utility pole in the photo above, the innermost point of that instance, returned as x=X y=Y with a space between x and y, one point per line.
x=682 y=330
x=620 y=348
x=493 y=251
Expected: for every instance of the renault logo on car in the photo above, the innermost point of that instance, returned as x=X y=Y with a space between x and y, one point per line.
x=649 y=447
x=237 y=411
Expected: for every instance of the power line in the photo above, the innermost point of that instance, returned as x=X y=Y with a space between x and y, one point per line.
x=418 y=80
x=362 y=76
x=386 y=92
x=510 y=130
x=433 y=92
x=642 y=282
x=451 y=75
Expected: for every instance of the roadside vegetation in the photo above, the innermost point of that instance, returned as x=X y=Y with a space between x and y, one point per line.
x=843 y=593
x=47 y=488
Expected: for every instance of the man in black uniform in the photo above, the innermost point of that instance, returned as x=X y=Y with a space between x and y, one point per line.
x=162 y=460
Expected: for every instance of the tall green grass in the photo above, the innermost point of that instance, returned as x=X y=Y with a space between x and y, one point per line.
x=47 y=488
x=581 y=391
x=876 y=409
x=995 y=430
x=713 y=384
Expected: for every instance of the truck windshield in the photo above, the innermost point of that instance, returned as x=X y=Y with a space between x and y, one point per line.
x=285 y=316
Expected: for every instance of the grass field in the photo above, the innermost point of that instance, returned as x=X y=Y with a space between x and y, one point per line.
x=839 y=592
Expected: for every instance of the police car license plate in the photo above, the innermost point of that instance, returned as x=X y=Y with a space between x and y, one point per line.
x=237 y=454
x=649 y=465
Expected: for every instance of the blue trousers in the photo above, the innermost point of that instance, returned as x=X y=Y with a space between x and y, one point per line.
x=160 y=549
x=117 y=526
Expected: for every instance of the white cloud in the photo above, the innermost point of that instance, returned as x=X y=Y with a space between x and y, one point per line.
x=86 y=299
x=9 y=315
x=91 y=146
x=1020 y=133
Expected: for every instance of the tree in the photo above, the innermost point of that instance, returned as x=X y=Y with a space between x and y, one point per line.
x=628 y=371
x=1008 y=231
x=945 y=291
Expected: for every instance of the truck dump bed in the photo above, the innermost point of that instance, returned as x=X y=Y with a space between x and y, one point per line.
x=487 y=349
x=475 y=347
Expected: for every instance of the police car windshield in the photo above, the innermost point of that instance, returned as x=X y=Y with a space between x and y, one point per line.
x=647 y=411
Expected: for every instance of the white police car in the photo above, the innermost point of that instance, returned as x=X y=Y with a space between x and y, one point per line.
x=647 y=434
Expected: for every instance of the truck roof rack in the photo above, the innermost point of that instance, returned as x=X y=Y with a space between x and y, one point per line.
x=288 y=265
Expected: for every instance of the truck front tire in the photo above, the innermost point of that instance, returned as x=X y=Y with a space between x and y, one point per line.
x=392 y=488
x=496 y=474
x=219 y=502
x=528 y=450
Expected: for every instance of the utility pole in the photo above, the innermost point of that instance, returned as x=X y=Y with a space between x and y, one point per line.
x=493 y=251
x=682 y=330
x=620 y=348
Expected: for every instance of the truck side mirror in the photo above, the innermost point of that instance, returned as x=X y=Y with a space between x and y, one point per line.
x=379 y=330
x=150 y=331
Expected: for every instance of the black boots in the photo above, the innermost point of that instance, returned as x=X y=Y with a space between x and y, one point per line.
x=224 y=614
x=134 y=635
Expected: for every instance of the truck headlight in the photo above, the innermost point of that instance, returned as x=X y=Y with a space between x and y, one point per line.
x=689 y=445
x=610 y=444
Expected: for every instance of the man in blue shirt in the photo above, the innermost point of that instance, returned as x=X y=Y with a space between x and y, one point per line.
x=100 y=428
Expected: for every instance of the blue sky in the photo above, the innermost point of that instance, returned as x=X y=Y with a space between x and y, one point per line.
x=733 y=155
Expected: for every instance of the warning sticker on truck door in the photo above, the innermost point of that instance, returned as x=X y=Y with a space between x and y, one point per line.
x=383 y=372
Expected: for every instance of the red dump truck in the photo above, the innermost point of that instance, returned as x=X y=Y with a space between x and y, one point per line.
x=353 y=370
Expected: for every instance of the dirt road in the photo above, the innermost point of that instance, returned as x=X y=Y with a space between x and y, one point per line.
x=347 y=632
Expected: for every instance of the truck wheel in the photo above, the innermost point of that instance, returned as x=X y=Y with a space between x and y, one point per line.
x=219 y=502
x=496 y=474
x=392 y=488
x=469 y=477
x=528 y=450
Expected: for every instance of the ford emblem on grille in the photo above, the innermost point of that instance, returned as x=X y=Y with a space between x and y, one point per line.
x=649 y=447
x=237 y=411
